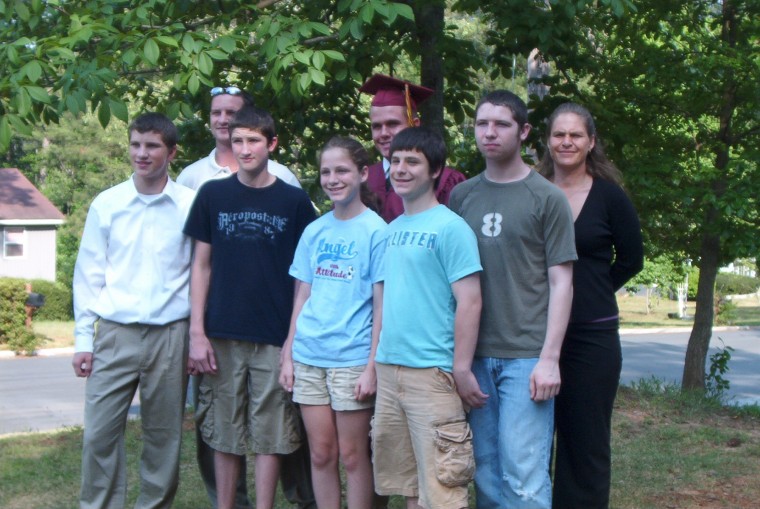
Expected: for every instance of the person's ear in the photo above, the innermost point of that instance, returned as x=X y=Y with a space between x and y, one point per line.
x=525 y=131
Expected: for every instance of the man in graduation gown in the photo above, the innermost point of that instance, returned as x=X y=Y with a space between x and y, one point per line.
x=394 y=108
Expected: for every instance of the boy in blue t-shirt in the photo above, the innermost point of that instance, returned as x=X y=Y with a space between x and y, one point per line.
x=246 y=228
x=431 y=310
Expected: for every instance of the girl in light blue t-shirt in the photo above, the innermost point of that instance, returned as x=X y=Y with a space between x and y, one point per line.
x=328 y=359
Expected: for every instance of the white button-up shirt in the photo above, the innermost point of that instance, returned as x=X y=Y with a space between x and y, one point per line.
x=134 y=261
x=203 y=170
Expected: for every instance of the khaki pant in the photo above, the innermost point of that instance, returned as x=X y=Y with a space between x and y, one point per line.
x=127 y=357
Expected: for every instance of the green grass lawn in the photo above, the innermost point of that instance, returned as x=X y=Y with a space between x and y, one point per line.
x=669 y=451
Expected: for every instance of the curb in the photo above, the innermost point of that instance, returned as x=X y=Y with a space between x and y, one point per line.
x=44 y=352
x=674 y=330
x=69 y=350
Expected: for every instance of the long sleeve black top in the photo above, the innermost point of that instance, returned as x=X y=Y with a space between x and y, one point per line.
x=610 y=251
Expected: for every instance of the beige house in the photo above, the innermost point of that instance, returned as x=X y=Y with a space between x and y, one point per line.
x=28 y=224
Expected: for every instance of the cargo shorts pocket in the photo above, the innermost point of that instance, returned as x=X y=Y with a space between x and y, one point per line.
x=454 y=459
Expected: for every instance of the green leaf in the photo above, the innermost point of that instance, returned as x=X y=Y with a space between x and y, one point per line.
x=403 y=10
x=356 y=29
x=33 y=70
x=188 y=43
x=22 y=41
x=169 y=41
x=150 y=51
x=104 y=114
x=226 y=43
x=334 y=55
x=38 y=94
x=23 y=102
x=193 y=84
x=22 y=10
x=119 y=109
x=5 y=134
x=304 y=80
x=304 y=29
x=302 y=57
x=205 y=65
x=62 y=53
x=318 y=59
x=366 y=13
x=217 y=54
x=317 y=76
x=343 y=5
x=12 y=54
x=283 y=43
x=172 y=110
x=72 y=105
x=321 y=28
x=129 y=57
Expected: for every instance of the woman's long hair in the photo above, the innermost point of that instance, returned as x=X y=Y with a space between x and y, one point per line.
x=597 y=164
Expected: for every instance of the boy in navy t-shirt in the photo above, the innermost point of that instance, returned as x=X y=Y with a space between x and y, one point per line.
x=246 y=228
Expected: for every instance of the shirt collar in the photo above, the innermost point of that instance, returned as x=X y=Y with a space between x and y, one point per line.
x=216 y=166
x=169 y=191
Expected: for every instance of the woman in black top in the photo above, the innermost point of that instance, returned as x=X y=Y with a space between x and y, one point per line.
x=610 y=252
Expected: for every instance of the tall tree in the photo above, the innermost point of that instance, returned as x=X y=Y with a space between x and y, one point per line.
x=674 y=90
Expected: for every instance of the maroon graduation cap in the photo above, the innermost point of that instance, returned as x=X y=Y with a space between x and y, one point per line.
x=389 y=91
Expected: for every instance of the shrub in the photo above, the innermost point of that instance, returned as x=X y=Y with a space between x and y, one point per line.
x=58 y=303
x=13 y=331
x=734 y=284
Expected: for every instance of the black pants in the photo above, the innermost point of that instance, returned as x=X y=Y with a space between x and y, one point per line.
x=590 y=365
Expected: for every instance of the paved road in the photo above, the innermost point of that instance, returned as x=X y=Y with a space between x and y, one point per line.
x=42 y=393
x=662 y=355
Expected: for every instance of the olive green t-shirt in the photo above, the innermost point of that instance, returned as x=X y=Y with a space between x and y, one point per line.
x=523 y=228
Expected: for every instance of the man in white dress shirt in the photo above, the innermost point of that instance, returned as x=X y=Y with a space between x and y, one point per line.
x=132 y=278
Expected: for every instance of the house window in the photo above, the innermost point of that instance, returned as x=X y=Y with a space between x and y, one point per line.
x=14 y=239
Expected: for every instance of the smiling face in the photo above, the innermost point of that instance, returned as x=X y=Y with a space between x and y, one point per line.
x=150 y=157
x=251 y=150
x=386 y=122
x=497 y=134
x=340 y=178
x=410 y=174
x=223 y=108
x=569 y=142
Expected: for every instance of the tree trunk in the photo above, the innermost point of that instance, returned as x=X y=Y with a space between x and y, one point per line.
x=699 y=340
x=428 y=17
x=710 y=249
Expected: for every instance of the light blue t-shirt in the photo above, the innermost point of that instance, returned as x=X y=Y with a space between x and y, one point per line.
x=341 y=260
x=426 y=252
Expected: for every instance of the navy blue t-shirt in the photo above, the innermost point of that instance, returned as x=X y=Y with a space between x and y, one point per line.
x=253 y=234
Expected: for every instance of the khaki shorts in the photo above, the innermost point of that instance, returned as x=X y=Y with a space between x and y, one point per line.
x=329 y=386
x=243 y=407
x=422 y=445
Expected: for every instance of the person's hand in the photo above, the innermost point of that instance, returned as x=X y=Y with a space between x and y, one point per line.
x=286 y=373
x=201 y=359
x=366 y=384
x=544 y=380
x=82 y=363
x=469 y=390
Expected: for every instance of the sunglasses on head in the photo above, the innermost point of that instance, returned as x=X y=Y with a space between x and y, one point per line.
x=225 y=90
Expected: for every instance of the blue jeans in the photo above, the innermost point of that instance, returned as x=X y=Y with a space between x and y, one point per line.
x=514 y=474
